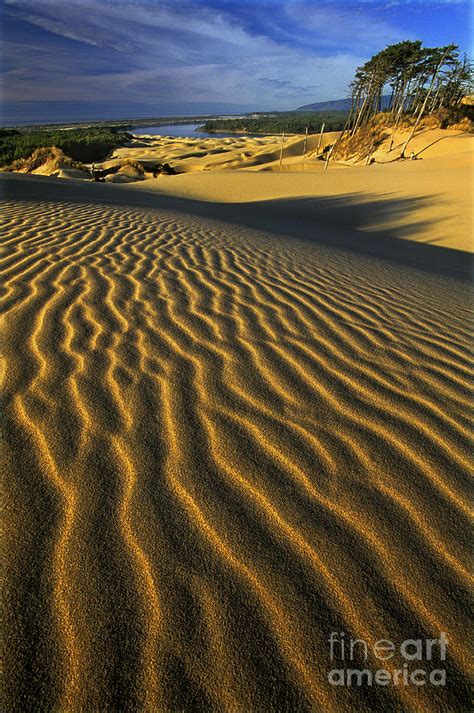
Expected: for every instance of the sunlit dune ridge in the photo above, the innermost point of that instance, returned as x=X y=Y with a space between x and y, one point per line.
x=221 y=446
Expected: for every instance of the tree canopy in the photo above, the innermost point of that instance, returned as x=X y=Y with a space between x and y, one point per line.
x=422 y=80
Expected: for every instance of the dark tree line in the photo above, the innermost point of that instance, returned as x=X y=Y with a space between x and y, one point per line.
x=295 y=122
x=422 y=81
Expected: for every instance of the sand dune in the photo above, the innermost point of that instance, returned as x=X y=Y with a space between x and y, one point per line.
x=424 y=201
x=434 y=193
x=188 y=155
x=248 y=153
x=225 y=438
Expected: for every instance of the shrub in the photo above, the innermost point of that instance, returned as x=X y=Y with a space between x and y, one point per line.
x=360 y=144
x=133 y=163
x=461 y=115
x=86 y=145
x=463 y=125
x=46 y=154
x=432 y=121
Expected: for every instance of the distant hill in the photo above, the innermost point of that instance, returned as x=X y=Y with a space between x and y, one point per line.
x=336 y=105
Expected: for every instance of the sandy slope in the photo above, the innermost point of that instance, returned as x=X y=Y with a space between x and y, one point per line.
x=226 y=436
x=425 y=201
x=428 y=200
x=263 y=153
x=188 y=155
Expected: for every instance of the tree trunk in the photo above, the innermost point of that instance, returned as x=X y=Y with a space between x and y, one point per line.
x=435 y=99
x=304 y=145
x=390 y=103
x=399 y=115
x=423 y=105
x=320 y=138
x=281 y=148
x=359 y=116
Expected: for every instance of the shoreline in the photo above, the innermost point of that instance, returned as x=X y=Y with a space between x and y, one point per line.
x=246 y=133
x=103 y=123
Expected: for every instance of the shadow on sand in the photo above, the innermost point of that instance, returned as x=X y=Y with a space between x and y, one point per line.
x=354 y=223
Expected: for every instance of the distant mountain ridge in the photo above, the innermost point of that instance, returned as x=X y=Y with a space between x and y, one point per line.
x=337 y=105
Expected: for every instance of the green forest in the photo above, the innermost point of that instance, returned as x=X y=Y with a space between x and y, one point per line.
x=294 y=122
x=86 y=144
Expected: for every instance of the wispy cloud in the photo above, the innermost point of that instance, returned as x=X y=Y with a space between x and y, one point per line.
x=335 y=25
x=265 y=54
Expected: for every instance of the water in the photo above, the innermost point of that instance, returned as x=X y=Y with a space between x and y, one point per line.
x=187 y=130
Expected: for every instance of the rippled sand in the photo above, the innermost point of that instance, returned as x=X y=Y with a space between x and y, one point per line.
x=221 y=445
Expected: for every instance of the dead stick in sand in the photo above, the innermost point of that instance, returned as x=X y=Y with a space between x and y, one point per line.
x=370 y=152
x=281 y=148
x=304 y=145
x=320 y=138
x=328 y=156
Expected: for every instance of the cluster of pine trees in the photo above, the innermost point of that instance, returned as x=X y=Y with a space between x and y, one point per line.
x=422 y=81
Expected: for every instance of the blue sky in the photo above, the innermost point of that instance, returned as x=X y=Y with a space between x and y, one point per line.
x=145 y=57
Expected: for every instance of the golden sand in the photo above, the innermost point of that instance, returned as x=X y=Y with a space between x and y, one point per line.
x=427 y=200
x=236 y=419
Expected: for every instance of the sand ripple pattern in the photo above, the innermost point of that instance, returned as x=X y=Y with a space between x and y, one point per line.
x=220 y=446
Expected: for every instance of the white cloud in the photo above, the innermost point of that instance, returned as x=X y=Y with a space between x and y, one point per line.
x=344 y=24
x=183 y=50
